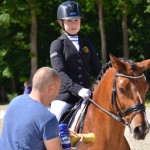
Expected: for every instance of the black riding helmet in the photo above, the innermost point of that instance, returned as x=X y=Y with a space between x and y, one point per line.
x=69 y=10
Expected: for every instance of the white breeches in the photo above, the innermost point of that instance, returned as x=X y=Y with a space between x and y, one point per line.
x=59 y=107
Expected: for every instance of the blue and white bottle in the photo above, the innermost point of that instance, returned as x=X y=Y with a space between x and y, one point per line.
x=64 y=135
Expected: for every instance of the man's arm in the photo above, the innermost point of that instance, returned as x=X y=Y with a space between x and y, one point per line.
x=53 y=144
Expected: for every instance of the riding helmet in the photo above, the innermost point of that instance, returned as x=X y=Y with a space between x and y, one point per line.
x=69 y=10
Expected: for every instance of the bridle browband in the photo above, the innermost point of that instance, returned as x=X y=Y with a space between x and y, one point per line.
x=131 y=77
x=136 y=108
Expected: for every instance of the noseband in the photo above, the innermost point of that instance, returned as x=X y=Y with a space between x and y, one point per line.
x=135 y=108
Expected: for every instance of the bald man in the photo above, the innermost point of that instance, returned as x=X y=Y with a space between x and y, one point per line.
x=28 y=124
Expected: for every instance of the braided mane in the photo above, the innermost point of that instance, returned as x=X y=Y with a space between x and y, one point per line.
x=103 y=70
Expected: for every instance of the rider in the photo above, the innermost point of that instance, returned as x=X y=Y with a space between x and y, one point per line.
x=72 y=56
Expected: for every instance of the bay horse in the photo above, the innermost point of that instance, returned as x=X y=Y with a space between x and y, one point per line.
x=118 y=101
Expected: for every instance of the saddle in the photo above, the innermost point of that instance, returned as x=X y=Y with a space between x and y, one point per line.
x=75 y=116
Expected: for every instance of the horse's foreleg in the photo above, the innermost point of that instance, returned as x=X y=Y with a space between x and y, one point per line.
x=124 y=144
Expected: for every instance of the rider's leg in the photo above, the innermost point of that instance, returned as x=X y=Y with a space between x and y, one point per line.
x=59 y=107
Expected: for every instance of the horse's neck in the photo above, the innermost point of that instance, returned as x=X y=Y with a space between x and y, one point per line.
x=107 y=130
x=103 y=91
x=98 y=121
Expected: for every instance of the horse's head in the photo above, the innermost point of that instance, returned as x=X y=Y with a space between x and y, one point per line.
x=129 y=89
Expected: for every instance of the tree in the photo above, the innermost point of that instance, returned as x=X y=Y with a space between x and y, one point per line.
x=124 y=30
x=90 y=7
x=14 y=46
x=102 y=31
x=123 y=7
x=33 y=37
x=28 y=27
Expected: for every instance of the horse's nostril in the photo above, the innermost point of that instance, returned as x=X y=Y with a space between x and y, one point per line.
x=139 y=133
x=138 y=130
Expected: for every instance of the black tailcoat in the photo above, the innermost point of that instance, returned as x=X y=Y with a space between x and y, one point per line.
x=73 y=66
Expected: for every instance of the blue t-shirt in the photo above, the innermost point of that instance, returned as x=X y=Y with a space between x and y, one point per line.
x=27 y=124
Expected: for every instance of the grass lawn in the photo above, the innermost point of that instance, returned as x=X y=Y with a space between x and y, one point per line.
x=148 y=99
x=148 y=103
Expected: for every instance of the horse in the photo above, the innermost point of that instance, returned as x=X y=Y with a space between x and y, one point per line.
x=118 y=101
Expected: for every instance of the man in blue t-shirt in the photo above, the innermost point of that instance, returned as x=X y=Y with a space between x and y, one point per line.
x=27 y=88
x=28 y=124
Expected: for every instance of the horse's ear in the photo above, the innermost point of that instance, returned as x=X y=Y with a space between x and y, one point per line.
x=144 y=65
x=116 y=63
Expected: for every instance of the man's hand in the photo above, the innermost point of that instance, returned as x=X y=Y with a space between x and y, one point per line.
x=81 y=138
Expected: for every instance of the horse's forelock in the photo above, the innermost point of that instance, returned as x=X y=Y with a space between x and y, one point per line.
x=131 y=63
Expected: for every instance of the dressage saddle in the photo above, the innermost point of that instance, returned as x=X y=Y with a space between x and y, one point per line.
x=73 y=114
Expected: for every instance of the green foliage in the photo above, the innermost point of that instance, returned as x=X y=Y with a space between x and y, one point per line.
x=4 y=20
x=11 y=96
x=7 y=73
x=147 y=10
x=15 y=26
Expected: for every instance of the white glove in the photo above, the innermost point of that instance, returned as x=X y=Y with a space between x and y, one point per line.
x=84 y=93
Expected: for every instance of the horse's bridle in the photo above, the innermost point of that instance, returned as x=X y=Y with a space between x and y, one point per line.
x=136 y=108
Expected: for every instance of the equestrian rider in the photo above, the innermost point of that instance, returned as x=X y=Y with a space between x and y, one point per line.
x=72 y=56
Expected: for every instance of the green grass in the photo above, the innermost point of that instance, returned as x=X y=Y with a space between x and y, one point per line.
x=148 y=103
x=148 y=99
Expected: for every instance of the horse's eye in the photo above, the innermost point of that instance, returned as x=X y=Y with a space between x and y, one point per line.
x=121 y=90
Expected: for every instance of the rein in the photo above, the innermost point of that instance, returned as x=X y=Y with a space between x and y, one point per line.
x=135 y=108
x=104 y=110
